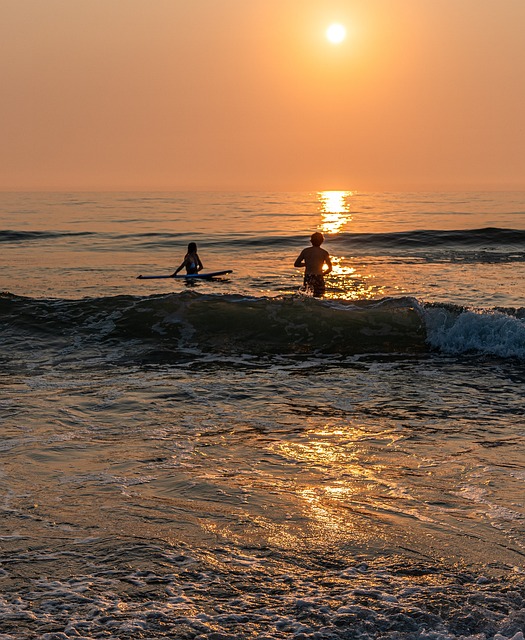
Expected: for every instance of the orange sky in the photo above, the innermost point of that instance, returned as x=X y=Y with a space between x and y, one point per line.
x=249 y=94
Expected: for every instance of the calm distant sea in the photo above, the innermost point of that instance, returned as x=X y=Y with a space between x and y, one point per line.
x=233 y=459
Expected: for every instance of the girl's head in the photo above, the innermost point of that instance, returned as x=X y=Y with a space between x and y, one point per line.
x=192 y=247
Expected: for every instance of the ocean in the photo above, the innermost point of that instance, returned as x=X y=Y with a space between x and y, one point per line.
x=233 y=459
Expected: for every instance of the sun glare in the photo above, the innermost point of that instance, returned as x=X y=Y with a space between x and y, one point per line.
x=336 y=33
x=335 y=210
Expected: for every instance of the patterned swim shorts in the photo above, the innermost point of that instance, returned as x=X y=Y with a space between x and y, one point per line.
x=314 y=284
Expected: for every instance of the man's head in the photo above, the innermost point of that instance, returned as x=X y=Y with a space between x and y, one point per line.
x=317 y=239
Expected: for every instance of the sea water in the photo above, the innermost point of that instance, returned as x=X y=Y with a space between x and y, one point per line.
x=234 y=459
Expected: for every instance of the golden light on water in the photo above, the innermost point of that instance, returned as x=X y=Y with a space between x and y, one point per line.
x=346 y=281
x=334 y=201
x=332 y=501
x=335 y=210
x=339 y=269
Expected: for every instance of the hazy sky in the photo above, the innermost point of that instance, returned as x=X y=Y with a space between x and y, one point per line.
x=249 y=94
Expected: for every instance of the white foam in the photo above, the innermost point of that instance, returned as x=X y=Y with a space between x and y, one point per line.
x=316 y=605
x=487 y=332
x=494 y=512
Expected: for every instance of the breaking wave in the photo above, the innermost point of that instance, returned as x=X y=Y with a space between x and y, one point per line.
x=232 y=324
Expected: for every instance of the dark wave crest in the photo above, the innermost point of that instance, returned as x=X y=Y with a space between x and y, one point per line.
x=227 y=324
x=24 y=236
x=488 y=244
x=222 y=324
x=473 y=238
x=489 y=237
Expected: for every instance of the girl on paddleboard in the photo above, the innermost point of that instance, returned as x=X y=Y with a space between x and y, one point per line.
x=191 y=261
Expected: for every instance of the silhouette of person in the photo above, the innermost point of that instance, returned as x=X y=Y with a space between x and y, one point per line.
x=191 y=261
x=313 y=259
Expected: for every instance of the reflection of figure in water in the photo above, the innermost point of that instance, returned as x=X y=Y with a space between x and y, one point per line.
x=313 y=260
x=191 y=261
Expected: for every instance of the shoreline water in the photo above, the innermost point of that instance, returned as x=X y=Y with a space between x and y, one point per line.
x=235 y=460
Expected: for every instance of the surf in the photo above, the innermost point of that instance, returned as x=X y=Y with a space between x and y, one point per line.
x=284 y=325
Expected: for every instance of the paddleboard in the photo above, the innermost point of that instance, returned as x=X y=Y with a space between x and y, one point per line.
x=202 y=275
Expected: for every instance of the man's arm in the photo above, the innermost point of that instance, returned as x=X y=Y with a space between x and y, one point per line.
x=300 y=260
x=328 y=262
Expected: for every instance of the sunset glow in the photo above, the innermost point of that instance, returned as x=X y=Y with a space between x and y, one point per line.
x=336 y=33
x=261 y=95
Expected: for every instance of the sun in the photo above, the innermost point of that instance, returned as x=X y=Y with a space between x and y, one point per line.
x=336 y=33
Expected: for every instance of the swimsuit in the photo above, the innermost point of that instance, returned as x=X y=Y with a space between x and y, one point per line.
x=192 y=267
x=314 y=284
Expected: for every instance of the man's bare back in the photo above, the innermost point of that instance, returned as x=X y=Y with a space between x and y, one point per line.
x=313 y=259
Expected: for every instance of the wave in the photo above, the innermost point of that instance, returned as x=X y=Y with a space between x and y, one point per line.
x=188 y=322
x=486 y=238
x=489 y=237
x=483 y=246
x=486 y=246
x=496 y=332
x=7 y=235
x=222 y=323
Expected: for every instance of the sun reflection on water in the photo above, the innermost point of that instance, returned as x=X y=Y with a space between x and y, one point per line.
x=339 y=269
x=348 y=283
x=345 y=281
x=335 y=210
x=338 y=477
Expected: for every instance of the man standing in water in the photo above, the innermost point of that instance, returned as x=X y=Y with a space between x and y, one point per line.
x=313 y=260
